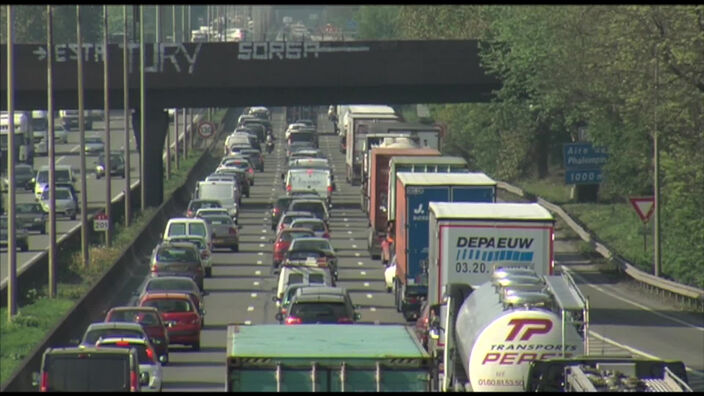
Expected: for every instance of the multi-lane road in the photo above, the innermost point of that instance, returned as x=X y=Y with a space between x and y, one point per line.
x=69 y=154
x=242 y=284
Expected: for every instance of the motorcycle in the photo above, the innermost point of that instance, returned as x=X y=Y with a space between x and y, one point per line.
x=269 y=146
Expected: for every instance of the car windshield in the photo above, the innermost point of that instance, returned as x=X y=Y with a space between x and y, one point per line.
x=59 y=194
x=197 y=229
x=304 y=254
x=313 y=207
x=136 y=316
x=316 y=226
x=62 y=176
x=169 y=305
x=306 y=244
x=141 y=350
x=173 y=254
x=170 y=284
x=28 y=208
x=319 y=312
x=289 y=236
x=195 y=205
x=218 y=220
x=43 y=177
x=116 y=159
x=94 y=335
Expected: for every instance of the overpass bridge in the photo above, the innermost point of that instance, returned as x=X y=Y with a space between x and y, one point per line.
x=271 y=73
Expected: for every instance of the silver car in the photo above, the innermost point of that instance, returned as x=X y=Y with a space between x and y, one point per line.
x=31 y=216
x=94 y=145
x=64 y=202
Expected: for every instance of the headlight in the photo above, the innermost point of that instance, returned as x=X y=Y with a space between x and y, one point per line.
x=100 y=168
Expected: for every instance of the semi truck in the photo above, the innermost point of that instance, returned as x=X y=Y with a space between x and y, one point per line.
x=430 y=136
x=496 y=304
x=372 y=140
x=606 y=374
x=357 y=124
x=325 y=358
x=376 y=195
x=414 y=191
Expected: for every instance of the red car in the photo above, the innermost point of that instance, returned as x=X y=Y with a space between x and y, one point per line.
x=151 y=322
x=283 y=241
x=181 y=315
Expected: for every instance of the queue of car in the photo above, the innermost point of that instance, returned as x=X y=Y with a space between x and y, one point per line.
x=169 y=307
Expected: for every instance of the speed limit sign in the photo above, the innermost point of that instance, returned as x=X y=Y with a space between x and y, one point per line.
x=101 y=222
x=206 y=129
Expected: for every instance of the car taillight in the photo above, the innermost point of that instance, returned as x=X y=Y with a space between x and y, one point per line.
x=276 y=211
x=329 y=189
x=233 y=231
x=133 y=381
x=44 y=385
x=344 y=319
x=292 y=320
x=155 y=268
x=284 y=311
x=150 y=354
x=277 y=246
x=250 y=170
x=122 y=343
x=322 y=262
x=288 y=187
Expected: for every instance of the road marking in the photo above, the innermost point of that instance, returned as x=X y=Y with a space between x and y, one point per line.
x=360 y=263
x=369 y=296
x=373 y=309
x=260 y=254
x=363 y=272
x=349 y=232
x=262 y=237
x=263 y=231
x=250 y=308
x=643 y=307
x=345 y=219
x=259 y=261
x=254 y=295
x=248 y=322
x=366 y=284
x=257 y=272
x=255 y=283
x=261 y=245
x=356 y=254
x=354 y=246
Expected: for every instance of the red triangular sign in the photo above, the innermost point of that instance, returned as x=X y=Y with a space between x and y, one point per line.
x=644 y=206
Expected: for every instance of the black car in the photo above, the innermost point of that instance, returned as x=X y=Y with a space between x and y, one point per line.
x=117 y=164
x=31 y=216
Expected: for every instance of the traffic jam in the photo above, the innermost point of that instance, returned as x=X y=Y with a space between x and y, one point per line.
x=470 y=299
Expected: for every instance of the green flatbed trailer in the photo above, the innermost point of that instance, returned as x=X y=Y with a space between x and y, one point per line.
x=325 y=358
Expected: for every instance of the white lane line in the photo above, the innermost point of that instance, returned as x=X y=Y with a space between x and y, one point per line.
x=369 y=296
x=248 y=322
x=349 y=232
x=373 y=309
x=360 y=263
x=257 y=272
x=356 y=254
x=345 y=219
x=366 y=284
x=262 y=237
x=354 y=246
x=641 y=306
x=254 y=295
x=260 y=254
x=259 y=261
x=250 y=308
x=255 y=283
x=363 y=272
x=261 y=245
x=263 y=231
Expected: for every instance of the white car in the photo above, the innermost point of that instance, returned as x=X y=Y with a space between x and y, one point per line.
x=64 y=202
x=184 y=227
x=148 y=361
x=294 y=127
x=389 y=275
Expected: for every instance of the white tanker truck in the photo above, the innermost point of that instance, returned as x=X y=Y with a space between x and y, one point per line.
x=494 y=323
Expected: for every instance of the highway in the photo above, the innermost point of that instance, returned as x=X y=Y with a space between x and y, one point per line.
x=69 y=154
x=241 y=287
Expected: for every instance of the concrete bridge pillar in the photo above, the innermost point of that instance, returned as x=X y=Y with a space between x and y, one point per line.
x=157 y=126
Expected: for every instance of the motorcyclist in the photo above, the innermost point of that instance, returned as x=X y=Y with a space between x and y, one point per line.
x=269 y=144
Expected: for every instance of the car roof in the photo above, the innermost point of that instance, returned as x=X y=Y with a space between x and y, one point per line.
x=115 y=325
x=177 y=244
x=297 y=213
x=297 y=229
x=323 y=290
x=308 y=220
x=185 y=220
x=132 y=308
x=164 y=295
x=170 y=277
x=321 y=297
x=315 y=239
x=131 y=340
x=308 y=200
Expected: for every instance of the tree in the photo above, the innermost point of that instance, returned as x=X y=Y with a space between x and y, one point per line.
x=377 y=22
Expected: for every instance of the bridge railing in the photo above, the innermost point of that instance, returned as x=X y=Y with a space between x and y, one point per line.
x=690 y=296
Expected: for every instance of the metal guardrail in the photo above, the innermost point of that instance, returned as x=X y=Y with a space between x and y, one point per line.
x=690 y=296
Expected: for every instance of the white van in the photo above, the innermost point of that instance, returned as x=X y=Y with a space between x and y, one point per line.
x=290 y=275
x=179 y=227
x=63 y=174
x=221 y=191
x=317 y=180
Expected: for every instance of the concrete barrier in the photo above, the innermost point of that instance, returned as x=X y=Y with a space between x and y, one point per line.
x=114 y=279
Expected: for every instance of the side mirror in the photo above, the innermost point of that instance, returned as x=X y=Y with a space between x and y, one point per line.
x=279 y=316
x=35 y=379
x=144 y=378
